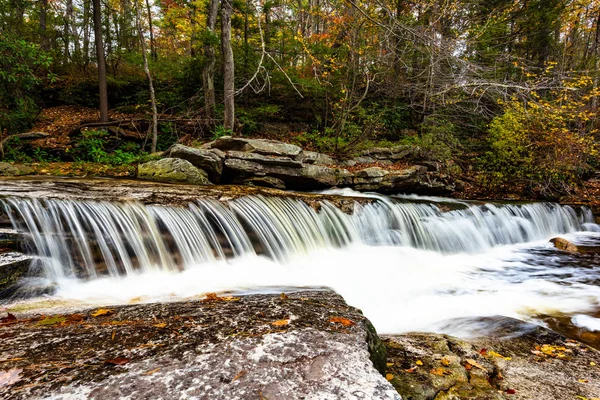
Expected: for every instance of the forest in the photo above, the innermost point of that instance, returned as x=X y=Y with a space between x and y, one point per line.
x=503 y=91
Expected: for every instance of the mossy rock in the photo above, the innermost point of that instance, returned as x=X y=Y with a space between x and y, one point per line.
x=172 y=170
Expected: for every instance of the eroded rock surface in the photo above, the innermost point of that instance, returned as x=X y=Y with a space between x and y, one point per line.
x=308 y=345
x=210 y=161
x=528 y=363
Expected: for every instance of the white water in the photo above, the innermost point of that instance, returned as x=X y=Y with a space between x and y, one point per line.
x=407 y=266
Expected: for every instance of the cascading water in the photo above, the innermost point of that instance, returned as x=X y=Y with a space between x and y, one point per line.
x=415 y=260
x=86 y=239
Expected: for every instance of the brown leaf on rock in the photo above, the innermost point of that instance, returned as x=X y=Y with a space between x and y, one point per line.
x=117 y=361
x=440 y=371
x=341 y=320
x=281 y=322
x=475 y=364
x=283 y=296
x=238 y=376
x=212 y=297
x=75 y=318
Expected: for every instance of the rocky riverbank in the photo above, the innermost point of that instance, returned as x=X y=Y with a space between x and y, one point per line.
x=295 y=346
x=269 y=163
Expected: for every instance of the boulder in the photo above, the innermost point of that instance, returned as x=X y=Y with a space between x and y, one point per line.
x=210 y=161
x=565 y=245
x=172 y=170
x=262 y=159
x=7 y=169
x=308 y=177
x=307 y=345
x=525 y=362
x=13 y=267
x=312 y=157
x=413 y=179
x=260 y=146
x=396 y=153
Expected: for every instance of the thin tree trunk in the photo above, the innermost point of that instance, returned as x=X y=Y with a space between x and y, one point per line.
x=147 y=70
x=228 y=65
x=86 y=32
x=208 y=72
x=100 y=60
x=153 y=52
x=43 y=25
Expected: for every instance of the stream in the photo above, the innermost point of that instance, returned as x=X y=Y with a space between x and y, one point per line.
x=409 y=263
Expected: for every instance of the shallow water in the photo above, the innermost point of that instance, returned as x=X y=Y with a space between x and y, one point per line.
x=407 y=264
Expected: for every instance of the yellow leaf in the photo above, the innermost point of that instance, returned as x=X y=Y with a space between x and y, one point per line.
x=440 y=371
x=103 y=311
x=582 y=380
x=498 y=355
x=593 y=364
x=389 y=377
x=151 y=372
x=281 y=322
x=445 y=362
x=419 y=363
x=161 y=325
x=389 y=364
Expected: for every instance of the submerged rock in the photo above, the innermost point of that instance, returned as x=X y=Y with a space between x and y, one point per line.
x=565 y=245
x=299 y=346
x=172 y=170
x=521 y=361
x=210 y=161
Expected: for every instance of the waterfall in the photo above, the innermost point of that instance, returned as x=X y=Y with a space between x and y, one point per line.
x=88 y=239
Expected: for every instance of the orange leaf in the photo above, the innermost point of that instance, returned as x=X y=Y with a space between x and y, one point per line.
x=117 y=361
x=340 y=320
x=440 y=371
x=281 y=322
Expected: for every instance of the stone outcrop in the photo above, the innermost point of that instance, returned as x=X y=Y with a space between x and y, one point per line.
x=13 y=267
x=172 y=170
x=281 y=165
x=210 y=161
x=308 y=345
x=522 y=362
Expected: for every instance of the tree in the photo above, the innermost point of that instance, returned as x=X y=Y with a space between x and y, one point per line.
x=100 y=60
x=228 y=65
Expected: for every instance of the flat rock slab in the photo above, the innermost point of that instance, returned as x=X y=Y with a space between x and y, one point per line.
x=528 y=363
x=152 y=192
x=308 y=345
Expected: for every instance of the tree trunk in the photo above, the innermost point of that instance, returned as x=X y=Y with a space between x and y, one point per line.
x=86 y=32
x=228 y=65
x=208 y=72
x=148 y=75
x=43 y=25
x=100 y=60
x=153 y=52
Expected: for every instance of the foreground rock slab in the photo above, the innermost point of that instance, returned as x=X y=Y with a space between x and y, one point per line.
x=308 y=345
x=523 y=362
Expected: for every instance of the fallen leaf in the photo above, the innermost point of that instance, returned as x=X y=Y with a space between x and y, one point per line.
x=389 y=364
x=9 y=318
x=440 y=371
x=281 y=322
x=593 y=364
x=151 y=372
x=238 y=376
x=283 y=296
x=161 y=325
x=511 y=391
x=498 y=355
x=75 y=318
x=10 y=377
x=475 y=364
x=53 y=320
x=212 y=297
x=389 y=377
x=103 y=311
x=483 y=352
x=11 y=359
x=419 y=362
x=445 y=362
x=114 y=333
x=411 y=370
x=340 y=320
x=117 y=361
x=582 y=380
x=230 y=298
